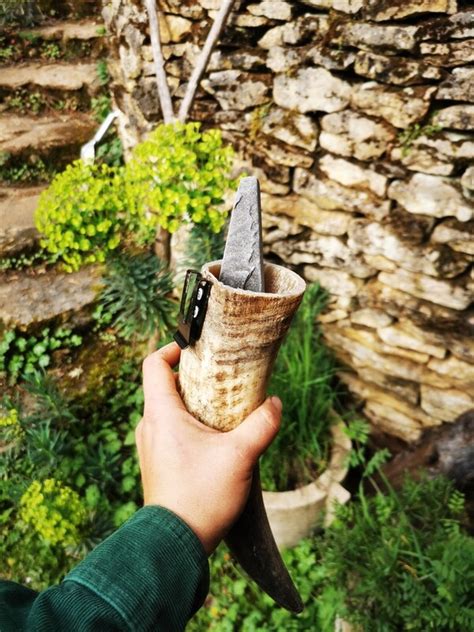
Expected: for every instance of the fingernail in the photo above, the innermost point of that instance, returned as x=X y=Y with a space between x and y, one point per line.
x=276 y=402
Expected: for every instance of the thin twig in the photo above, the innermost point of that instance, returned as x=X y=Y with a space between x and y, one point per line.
x=161 y=82
x=203 y=59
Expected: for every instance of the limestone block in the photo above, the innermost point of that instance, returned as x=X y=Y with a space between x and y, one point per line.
x=329 y=58
x=283 y=59
x=458 y=235
x=45 y=297
x=393 y=421
x=306 y=213
x=30 y=134
x=446 y=54
x=330 y=195
x=280 y=153
x=56 y=76
x=244 y=20
x=311 y=90
x=456 y=294
x=242 y=167
x=243 y=58
x=344 y=6
x=360 y=353
x=455 y=117
x=379 y=10
x=458 y=26
x=459 y=86
x=173 y=28
x=17 y=226
x=371 y=340
x=369 y=36
x=438 y=154
x=326 y=251
x=373 y=394
x=299 y=31
x=431 y=195
x=401 y=108
x=68 y=30
x=348 y=134
x=131 y=64
x=454 y=370
x=373 y=238
x=380 y=263
x=290 y=127
x=395 y=70
x=373 y=318
x=405 y=334
x=352 y=175
x=408 y=391
x=332 y=316
x=188 y=9
x=253 y=89
x=335 y=281
x=423 y=313
x=272 y=9
x=445 y=404
x=467 y=181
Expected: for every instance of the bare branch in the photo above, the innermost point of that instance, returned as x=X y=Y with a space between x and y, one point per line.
x=161 y=82
x=201 y=64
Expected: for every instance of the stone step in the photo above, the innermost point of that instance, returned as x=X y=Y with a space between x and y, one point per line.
x=54 y=76
x=30 y=299
x=40 y=135
x=17 y=225
x=68 y=30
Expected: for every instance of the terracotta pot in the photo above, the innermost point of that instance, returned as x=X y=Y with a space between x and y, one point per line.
x=294 y=514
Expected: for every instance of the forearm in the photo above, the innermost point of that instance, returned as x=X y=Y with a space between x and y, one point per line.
x=150 y=574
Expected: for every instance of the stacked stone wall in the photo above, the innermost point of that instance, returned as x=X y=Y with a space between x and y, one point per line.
x=357 y=117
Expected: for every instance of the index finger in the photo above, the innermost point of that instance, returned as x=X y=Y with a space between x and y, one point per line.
x=159 y=384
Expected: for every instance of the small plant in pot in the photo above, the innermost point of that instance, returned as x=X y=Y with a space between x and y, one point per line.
x=303 y=468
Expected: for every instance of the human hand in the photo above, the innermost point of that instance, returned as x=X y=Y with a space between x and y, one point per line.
x=200 y=474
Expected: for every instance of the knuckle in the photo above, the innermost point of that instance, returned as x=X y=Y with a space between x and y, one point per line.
x=270 y=418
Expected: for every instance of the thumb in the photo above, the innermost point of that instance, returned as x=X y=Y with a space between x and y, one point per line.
x=259 y=429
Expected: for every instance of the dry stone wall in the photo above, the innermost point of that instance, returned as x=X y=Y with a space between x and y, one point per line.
x=357 y=117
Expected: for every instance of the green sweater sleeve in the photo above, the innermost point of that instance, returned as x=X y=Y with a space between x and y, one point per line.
x=151 y=574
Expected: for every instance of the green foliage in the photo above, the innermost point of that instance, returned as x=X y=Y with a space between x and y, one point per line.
x=303 y=379
x=136 y=296
x=81 y=214
x=53 y=510
x=399 y=541
x=23 y=354
x=12 y=171
x=22 y=260
x=50 y=50
x=386 y=564
x=178 y=174
x=407 y=137
x=101 y=106
x=110 y=151
x=87 y=449
x=103 y=72
x=236 y=603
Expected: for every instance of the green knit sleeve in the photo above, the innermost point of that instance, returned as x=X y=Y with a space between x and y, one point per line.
x=151 y=574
